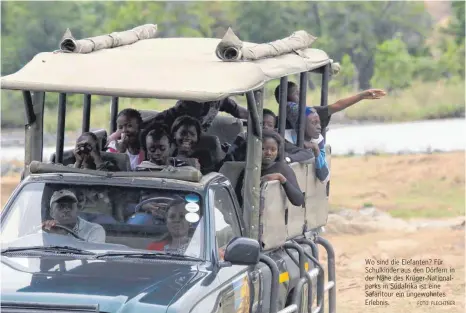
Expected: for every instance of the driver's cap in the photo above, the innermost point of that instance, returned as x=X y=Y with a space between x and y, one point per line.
x=61 y=194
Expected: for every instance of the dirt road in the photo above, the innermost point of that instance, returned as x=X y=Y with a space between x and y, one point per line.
x=352 y=251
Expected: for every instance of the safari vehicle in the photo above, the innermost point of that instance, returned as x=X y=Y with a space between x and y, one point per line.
x=262 y=257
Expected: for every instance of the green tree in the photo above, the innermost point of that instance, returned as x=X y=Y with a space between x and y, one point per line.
x=32 y=27
x=356 y=28
x=457 y=25
x=347 y=78
x=394 y=65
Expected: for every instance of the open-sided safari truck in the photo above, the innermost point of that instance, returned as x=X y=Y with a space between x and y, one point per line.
x=262 y=257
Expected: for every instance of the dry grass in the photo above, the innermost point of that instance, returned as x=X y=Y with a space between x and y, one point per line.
x=8 y=184
x=429 y=185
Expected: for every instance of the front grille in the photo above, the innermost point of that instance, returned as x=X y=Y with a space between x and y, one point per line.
x=29 y=307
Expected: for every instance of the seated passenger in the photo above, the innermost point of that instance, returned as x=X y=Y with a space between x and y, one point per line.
x=313 y=140
x=324 y=112
x=126 y=139
x=157 y=147
x=151 y=213
x=96 y=206
x=237 y=151
x=273 y=169
x=292 y=152
x=204 y=112
x=177 y=239
x=64 y=211
x=87 y=154
x=186 y=132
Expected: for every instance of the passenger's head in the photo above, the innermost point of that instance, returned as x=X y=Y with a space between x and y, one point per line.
x=157 y=145
x=271 y=146
x=269 y=119
x=64 y=207
x=186 y=132
x=177 y=224
x=313 y=127
x=129 y=122
x=87 y=142
x=292 y=94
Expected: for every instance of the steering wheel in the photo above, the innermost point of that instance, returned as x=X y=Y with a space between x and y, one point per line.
x=68 y=230
x=164 y=200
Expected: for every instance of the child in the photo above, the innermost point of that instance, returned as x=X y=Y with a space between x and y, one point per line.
x=129 y=122
x=157 y=148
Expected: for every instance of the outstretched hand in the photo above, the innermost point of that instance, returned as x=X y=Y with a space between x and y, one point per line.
x=373 y=94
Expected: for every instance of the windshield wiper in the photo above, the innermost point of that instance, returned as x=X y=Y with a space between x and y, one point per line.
x=148 y=255
x=55 y=249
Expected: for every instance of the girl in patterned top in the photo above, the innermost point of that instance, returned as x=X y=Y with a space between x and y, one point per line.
x=127 y=137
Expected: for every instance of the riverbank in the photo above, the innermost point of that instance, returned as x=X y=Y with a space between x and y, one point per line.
x=406 y=186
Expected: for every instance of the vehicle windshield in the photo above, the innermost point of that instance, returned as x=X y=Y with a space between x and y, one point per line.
x=104 y=218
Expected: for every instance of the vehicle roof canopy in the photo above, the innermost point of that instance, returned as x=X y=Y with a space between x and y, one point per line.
x=164 y=68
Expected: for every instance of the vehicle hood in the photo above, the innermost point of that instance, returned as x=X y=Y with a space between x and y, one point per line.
x=123 y=285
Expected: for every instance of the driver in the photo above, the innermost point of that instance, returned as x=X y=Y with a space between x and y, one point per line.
x=64 y=212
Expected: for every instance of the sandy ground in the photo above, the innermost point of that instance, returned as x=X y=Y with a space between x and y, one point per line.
x=429 y=185
x=352 y=250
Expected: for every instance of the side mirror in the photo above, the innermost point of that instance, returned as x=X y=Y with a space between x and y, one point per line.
x=242 y=251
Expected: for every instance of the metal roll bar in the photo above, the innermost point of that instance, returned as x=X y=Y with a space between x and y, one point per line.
x=275 y=281
x=302 y=108
x=113 y=114
x=86 y=113
x=60 y=127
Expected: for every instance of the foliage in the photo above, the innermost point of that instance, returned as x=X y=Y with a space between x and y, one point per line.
x=362 y=36
x=347 y=78
x=394 y=65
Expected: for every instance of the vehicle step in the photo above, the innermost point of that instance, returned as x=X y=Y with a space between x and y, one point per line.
x=329 y=285
x=316 y=310
x=313 y=273
x=289 y=309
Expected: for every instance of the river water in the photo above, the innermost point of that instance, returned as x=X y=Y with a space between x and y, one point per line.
x=413 y=137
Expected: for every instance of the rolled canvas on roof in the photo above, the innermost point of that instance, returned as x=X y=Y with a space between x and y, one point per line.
x=231 y=48
x=115 y=39
x=164 y=68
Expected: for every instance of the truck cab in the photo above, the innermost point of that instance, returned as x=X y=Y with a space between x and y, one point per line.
x=205 y=253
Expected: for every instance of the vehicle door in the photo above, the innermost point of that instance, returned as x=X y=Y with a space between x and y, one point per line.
x=241 y=284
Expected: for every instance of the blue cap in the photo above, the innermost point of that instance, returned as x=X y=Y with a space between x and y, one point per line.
x=142 y=218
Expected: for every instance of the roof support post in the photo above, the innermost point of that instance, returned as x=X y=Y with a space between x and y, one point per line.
x=283 y=96
x=33 y=131
x=302 y=108
x=60 y=128
x=86 y=113
x=28 y=108
x=251 y=198
x=113 y=114
x=324 y=90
